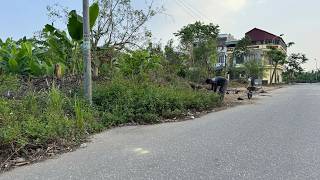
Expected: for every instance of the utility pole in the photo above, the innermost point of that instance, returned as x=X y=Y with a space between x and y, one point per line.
x=87 y=52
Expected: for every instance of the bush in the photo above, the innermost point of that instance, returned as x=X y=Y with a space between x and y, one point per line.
x=43 y=118
x=124 y=101
x=137 y=64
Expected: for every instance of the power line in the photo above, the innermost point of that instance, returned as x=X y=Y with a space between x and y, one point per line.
x=190 y=13
x=186 y=3
x=190 y=9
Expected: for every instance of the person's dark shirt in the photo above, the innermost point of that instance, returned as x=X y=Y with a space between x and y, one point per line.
x=219 y=81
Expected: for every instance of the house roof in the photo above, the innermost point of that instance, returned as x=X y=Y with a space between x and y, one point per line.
x=261 y=35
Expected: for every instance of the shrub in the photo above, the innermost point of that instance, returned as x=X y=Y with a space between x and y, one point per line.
x=125 y=101
x=32 y=120
x=137 y=64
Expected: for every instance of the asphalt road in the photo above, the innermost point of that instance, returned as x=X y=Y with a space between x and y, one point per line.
x=276 y=138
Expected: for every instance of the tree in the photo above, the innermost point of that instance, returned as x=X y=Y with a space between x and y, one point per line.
x=307 y=77
x=254 y=68
x=176 y=60
x=138 y=64
x=240 y=51
x=76 y=22
x=294 y=65
x=59 y=48
x=170 y=54
x=200 y=40
x=241 y=48
x=277 y=58
x=119 y=26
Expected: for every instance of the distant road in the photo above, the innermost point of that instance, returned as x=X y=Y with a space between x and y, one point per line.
x=276 y=138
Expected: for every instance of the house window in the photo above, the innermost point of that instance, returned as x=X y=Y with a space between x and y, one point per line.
x=221 y=58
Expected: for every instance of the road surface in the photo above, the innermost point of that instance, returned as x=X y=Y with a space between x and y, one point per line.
x=276 y=138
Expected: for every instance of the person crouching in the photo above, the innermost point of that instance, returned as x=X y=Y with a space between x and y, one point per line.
x=220 y=83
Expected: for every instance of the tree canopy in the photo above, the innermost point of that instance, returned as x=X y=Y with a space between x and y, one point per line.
x=198 y=32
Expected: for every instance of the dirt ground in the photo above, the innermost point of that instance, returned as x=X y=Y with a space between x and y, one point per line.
x=238 y=96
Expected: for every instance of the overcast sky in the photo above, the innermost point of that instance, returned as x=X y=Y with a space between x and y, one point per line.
x=298 y=20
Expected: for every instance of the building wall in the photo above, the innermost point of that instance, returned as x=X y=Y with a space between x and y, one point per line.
x=268 y=73
x=223 y=39
x=260 y=51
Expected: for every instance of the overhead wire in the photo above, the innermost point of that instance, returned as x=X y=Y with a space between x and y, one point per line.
x=187 y=10
x=195 y=10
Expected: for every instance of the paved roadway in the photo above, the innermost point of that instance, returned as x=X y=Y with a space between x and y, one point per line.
x=277 y=138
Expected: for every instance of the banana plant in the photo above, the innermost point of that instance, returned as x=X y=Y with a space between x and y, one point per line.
x=67 y=50
x=19 y=58
x=58 y=48
x=75 y=22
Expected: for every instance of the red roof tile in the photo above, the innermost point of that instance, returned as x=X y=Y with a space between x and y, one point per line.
x=261 y=35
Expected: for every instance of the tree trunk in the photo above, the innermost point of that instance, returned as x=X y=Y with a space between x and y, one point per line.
x=273 y=73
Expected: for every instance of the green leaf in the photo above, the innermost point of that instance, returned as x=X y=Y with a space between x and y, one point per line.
x=49 y=28
x=27 y=48
x=94 y=13
x=35 y=68
x=75 y=22
x=75 y=26
x=13 y=65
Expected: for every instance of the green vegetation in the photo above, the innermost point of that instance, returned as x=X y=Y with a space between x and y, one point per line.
x=303 y=77
x=21 y=58
x=136 y=81
x=294 y=71
x=40 y=119
x=199 y=42
x=139 y=86
x=254 y=68
x=124 y=101
x=277 y=58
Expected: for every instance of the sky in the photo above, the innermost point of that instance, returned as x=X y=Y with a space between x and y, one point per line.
x=297 y=20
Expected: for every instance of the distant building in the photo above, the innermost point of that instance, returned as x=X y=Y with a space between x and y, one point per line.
x=261 y=41
x=223 y=41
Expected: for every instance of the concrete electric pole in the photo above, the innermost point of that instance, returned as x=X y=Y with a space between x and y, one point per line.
x=87 y=52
